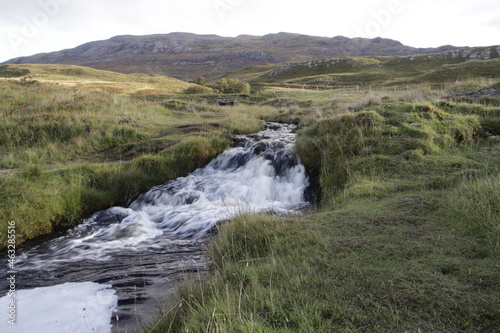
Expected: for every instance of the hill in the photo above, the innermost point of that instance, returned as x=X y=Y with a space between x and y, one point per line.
x=186 y=55
x=442 y=67
x=93 y=80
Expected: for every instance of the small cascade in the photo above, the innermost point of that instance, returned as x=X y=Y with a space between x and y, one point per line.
x=142 y=249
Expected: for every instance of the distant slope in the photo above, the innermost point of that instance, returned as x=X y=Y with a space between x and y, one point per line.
x=185 y=55
x=92 y=79
x=446 y=66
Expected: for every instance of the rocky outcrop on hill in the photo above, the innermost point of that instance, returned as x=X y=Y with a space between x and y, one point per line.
x=476 y=95
x=415 y=62
x=186 y=55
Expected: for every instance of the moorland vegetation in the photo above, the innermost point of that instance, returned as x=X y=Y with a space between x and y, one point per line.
x=403 y=235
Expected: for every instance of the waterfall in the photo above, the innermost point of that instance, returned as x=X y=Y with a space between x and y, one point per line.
x=262 y=173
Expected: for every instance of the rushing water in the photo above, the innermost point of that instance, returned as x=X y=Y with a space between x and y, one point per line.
x=144 y=249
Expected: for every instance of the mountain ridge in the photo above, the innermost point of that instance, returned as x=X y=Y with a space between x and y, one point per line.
x=188 y=55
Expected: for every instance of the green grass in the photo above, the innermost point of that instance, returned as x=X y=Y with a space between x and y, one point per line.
x=473 y=207
x=405 y=237
x=463 y=71
x=327 y=73
x=66 y=152
x=7 y=71
x=391 y=265
x=88 y=79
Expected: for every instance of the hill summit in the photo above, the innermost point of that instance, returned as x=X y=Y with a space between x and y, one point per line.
x=187 y=55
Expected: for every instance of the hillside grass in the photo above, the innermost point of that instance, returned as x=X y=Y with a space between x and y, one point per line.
x=370 y=71
x=405 y=236
x=88 y=79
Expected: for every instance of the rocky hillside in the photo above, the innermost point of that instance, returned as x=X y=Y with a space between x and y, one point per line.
x=185 y=55
x=446 y=66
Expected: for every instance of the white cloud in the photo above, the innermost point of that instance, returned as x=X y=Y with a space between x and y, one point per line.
x=493 y=23
x=73 y=22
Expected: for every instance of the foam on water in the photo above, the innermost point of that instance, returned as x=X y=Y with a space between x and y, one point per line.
x=65 y=308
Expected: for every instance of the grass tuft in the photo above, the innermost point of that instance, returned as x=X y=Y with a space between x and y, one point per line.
x=473 y=207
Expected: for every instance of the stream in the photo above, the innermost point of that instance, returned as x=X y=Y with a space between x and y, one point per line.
x=144 y=250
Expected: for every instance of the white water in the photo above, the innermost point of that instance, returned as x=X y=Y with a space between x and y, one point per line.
x=262 y=174
x=142 y=249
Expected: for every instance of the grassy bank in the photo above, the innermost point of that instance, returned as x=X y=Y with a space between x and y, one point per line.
x=67 y=152
x=405 y=238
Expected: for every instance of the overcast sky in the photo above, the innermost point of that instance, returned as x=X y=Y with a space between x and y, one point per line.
x=34 y=26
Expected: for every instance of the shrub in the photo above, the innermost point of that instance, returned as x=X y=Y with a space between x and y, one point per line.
x=201 y=81
x=175 y=105
x=232 y=86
